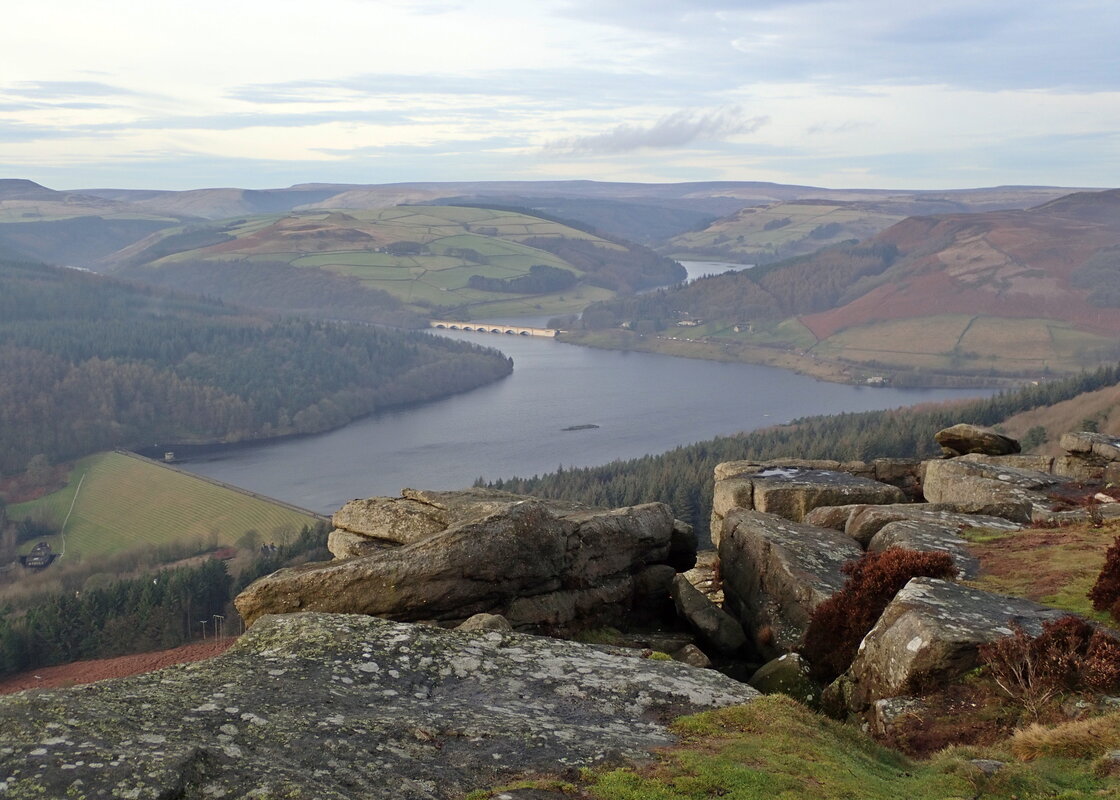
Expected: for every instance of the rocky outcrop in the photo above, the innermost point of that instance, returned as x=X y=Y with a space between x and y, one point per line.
x=929 y=635
x=775 y=572
x=537 y=563
x=339 y=706
x=715 y=626
x=864 y=522
x=790 y=491
x=964 y=438
x=930 y=538
x=982 y=487
x=787 y=674
x=1089 y=457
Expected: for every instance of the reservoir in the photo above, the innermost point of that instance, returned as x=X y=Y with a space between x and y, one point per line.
x=615 y=405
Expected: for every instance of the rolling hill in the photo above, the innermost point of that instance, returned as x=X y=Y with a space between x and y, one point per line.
x=768 y=233
x=999 y=292
x=422 y=259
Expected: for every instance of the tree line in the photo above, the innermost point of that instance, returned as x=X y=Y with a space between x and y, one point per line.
x=683 y=477
x=91 y=363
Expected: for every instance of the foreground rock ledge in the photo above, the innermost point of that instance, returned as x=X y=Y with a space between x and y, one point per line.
x=335 y=706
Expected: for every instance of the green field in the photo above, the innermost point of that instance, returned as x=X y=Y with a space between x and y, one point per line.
x=128 y=502
x=452 y=243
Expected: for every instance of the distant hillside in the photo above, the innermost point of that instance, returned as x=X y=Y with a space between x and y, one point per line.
x=91 y=363
x=425 y=260
x=1002 y=292
x=769 y=233
x=71 y=228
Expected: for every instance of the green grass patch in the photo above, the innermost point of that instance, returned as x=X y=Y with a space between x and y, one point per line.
x=775 y=749
x=128 y=502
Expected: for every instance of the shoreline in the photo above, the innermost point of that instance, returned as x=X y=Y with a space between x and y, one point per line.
x=831 y=371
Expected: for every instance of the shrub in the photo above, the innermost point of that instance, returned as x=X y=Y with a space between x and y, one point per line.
x=839 y=624
x=1069 y=654
x=1106 y=591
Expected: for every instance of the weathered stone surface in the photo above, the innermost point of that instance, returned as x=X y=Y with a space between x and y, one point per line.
x=1085 y=469
x=929 y=634
x=693 y=656
x=901 y=472
x=344 y=544
x=706 y=577
x=418 y=513
x=787 y=674
x=1037 y=463
x=930 y=538
x=889 y=714
x=980 y=488
x=964 y=438
x=335 y=707
x=866 y=521
x=485 y=622
x=715 y=626
x=793 y=493
x=835 y=517
x=1100 y=445
x=523 y=561
x=775 y=572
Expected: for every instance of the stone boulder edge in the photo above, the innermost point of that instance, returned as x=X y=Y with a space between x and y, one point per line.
x=342 y=706
x=965 y=438
x=776 y=572
x=929 y=635
x=978 y=487
x=537 y=563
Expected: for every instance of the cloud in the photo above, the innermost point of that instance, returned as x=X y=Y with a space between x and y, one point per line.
x=675 y=130
x=39 y=90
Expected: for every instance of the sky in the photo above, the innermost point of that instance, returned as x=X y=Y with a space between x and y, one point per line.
x=836 y=93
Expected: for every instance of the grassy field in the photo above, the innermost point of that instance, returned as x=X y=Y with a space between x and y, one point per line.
x=452 y=244
x=128 y=502
x=961 y=341
x=784 y=229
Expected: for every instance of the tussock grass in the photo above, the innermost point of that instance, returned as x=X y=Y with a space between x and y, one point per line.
x=1080 y=739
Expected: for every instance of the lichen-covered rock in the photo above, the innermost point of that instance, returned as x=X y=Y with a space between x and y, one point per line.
x=346 y=544
x=535 y=562
x=1089 y=457
x=981 y=488
x=693 y=656
x=929 y=634
x=775 y=572
x=866 y=521
x=964 y=438
x=792 y=493
x=787 y=674
x=335 y=707
x=927 y=537
x=485 y=622
x=715 y=626
x=1101 y=445
x=706 y=576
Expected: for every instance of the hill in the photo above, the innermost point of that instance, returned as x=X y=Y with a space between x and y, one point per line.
x=69 y=227
x=91 y=363
x=995 y=293
x=126 y=502
x=768 y=233
x=440 y=260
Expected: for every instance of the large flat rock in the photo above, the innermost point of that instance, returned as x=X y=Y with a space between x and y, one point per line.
x=791 y=490
x=522 y=561
x=865 y=521
x=929 y=538
x=775 y=572
x=976 y=486
x=336 y=707
x=930 y=634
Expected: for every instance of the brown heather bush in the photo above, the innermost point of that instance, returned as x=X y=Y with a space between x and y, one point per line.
x=1105 y=594
x=1069 y=655
x=839 y=624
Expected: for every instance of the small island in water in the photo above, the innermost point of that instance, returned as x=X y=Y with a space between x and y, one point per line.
x=579 y=427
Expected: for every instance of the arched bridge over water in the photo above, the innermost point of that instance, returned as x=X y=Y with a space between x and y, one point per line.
x=491 y=327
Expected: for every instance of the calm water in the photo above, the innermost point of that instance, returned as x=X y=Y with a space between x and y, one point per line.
x=642 y=403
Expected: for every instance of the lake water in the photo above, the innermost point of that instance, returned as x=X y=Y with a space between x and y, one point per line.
x=642 y=402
